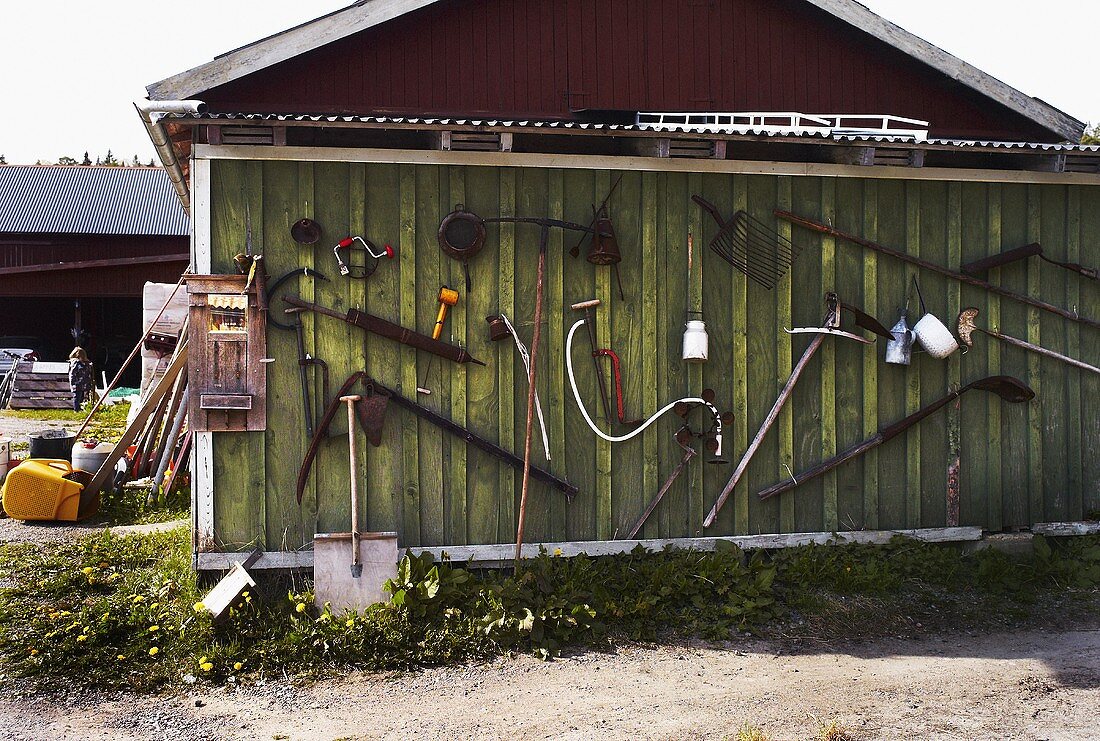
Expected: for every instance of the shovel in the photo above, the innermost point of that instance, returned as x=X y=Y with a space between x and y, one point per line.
x=342 y=586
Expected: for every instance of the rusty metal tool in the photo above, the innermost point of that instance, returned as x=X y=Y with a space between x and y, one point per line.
x=305 y=360
x=576 y=249
x=933 y=267
x=1008 y=388
x=368 y=267
x=371 y=416
x=749 y=245
x=379 y=326
x=967 y=327
x=448 y=297
x=500 y=328
x=689 y=453
x=616 y=367
x=1022 y=253
x=830 y=326
x=471 y=439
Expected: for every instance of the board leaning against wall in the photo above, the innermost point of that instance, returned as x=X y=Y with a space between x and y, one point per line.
x=1017 y=463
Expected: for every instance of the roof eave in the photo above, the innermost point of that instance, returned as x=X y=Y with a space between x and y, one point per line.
x=864 y=19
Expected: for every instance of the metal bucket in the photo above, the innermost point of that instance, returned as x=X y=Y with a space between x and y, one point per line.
x=55 y=444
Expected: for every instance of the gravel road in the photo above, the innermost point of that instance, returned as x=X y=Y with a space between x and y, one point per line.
x=1026 y=685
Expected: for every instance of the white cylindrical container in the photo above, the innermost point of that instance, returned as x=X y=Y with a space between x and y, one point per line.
x=696 y=342
x=935 y=337
x=90 y=458
x=5 y=456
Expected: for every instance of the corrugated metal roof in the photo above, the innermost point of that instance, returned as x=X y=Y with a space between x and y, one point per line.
x=54 y=199
x=413 y=122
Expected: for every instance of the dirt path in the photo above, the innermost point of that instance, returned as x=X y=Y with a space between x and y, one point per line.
x=1030 y=685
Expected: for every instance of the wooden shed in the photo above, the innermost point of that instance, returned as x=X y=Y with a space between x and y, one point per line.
x=375 y=121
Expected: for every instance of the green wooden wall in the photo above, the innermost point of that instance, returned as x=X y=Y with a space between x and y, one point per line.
x=1019 y=463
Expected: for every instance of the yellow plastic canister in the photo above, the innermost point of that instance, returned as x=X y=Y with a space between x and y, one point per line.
x=37 y=489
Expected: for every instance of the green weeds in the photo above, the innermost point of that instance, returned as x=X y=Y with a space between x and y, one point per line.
x=122 y=611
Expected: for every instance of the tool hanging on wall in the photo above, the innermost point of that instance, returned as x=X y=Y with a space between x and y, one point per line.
x=961 y=277
x=448 y=297
x=682 y=438
x=371 y=417
x=1006 y=387
x=602 y=352
x=461 y=235
x=1022 y=253
x=696 y=343
x=967 y=328
x=716 y=436
x=379 y=326
x=749 y=245
x=305 y=231
x=370 y=252
x=576 y=249
x=605 y=246
x=932 y=334
x=305 y=360
x=830 y=326
x=499 y=328
x=899 y=350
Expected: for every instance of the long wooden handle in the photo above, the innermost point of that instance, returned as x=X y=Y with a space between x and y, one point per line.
x=961 y=277
x=768 y=422
x=1040 y=350
x=539 y=287
x=353 y=456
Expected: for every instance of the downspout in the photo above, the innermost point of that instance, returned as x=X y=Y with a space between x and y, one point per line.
x=151 y=112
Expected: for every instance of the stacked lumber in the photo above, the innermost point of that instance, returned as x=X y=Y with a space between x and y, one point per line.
x=40 y=385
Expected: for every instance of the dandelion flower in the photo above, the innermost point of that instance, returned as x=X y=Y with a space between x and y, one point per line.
x=34 y=652
x=138 y=598
x=82 y=637
x=244 y=593
x=237 y=666
x=154 y=628
x=206 y=666
x=198 y=607
x=204 y=659
x=122 y=657
x=557 y=551
x=87 y=569
x=301 y=607
x=350 y=623
x=154 y=651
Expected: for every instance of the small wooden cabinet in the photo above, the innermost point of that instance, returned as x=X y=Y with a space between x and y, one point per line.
x=226 y=367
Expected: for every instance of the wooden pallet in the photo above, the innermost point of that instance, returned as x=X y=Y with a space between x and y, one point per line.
x=41 y=386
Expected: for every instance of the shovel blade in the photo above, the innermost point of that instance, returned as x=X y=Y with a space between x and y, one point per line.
x=334 y=580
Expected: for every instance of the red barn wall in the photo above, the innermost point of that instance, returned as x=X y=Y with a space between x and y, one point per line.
x=544 y=58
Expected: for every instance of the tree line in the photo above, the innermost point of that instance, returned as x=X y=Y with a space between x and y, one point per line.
x=107 y=160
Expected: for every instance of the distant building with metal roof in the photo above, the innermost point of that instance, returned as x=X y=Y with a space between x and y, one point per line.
x=54 y=199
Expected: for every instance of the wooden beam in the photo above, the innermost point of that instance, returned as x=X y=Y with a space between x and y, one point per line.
x=112 y=262
x=206 y=152
x=1063 y=529
x=501 y=553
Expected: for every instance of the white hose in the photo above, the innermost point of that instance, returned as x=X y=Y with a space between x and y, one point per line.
x=648 y=422
x=527 y=364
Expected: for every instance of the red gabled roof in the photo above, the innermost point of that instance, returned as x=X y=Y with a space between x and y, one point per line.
x=547 y=58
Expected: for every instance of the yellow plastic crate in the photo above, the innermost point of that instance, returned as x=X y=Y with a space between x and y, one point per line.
x=48 y=489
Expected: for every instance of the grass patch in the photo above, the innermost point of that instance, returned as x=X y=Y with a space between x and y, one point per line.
x=111 y=611
x=107 y=426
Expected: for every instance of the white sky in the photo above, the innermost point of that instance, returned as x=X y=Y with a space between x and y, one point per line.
x=69 y=71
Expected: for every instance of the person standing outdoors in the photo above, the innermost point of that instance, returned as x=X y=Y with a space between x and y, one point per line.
x=80 y=376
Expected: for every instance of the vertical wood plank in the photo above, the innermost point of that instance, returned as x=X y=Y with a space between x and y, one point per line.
x=482 y=197
x=698 y=504
x=380 y=216
x=506 y=358
x=372 y=501
x=913 y=387
x=604 y=289
x=454 y=482
x=650 y=290
x=827 y=382
x=1056 y=417
x=995 y=518
x=1034 y=366
x=432 y=202
x=552 y=382
x=340 y=345
x=784 y=363
x=410 y=533
x=677 y=215
x=870 y=358
x=1073 y=409
x=954 y=375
